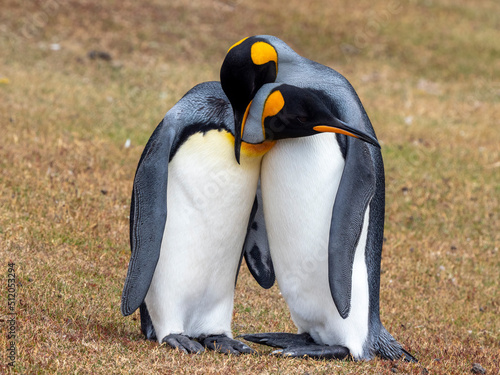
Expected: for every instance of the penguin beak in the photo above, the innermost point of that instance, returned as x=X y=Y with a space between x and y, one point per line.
x=342 y=128
x=239 y=128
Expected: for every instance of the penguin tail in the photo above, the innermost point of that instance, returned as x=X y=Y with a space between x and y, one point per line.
x=388 y=348
x=146 y=323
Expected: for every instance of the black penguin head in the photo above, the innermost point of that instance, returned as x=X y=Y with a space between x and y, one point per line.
x=291 y=112
x=248 y=65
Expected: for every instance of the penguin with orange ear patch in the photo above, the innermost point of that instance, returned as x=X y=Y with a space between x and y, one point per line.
x=192 y=204
x=323 y=200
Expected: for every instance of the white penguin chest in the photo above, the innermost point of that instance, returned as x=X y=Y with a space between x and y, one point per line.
x=209 y=200
x=209 y=197
x=300 y=179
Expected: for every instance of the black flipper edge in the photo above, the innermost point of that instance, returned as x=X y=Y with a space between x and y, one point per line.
x=148 y=216
x=356 y=189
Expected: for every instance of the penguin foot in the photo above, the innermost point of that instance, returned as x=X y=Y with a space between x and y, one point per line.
x=226 y=345
x=314 y=351
x=280 y=339
x=183 y=343
x=298 y=346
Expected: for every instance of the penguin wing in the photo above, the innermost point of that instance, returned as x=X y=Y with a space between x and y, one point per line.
x=256 y=247
x=356 y=189
x=148 y=214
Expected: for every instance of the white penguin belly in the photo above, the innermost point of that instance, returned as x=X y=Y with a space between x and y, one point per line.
x=299 y=180
x=209 y=199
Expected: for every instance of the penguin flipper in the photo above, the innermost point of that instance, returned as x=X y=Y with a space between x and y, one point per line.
x=256 y=247
x=148 y=214
x=356 y=189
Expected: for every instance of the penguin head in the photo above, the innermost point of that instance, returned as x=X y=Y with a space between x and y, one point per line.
x=249 y=64
x=282 y=111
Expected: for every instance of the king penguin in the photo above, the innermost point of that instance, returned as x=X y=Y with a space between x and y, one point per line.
x=184 y=265
x=323 y=201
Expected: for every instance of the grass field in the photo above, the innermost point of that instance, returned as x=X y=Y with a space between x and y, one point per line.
x=428 y=74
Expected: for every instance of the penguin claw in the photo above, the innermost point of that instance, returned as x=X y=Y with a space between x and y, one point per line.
x=316 y=352
x=226 y=345
x=280 y=339
x=183 y=343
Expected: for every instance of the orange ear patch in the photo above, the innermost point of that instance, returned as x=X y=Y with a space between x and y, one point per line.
x=274 y=103
x=262 y=53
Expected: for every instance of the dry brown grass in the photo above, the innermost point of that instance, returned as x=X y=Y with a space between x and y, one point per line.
x=427 y=73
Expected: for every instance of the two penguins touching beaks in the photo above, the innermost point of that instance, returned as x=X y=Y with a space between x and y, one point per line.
x=278 y=163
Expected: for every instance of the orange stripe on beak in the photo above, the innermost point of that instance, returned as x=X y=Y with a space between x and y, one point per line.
x=330 y=129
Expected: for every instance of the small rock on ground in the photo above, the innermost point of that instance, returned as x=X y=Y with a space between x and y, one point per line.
x=478 y=369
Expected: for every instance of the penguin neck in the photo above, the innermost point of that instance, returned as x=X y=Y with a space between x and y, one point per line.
x=253 y=150
x=256 y=150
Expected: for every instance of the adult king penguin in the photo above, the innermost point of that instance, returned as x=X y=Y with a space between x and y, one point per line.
x=183 y=265
x=323 y=201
